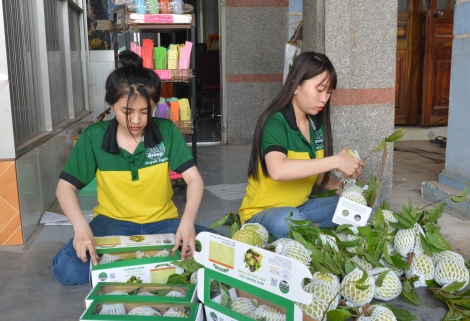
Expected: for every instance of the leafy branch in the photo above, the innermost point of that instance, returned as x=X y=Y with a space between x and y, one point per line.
x=392 y=138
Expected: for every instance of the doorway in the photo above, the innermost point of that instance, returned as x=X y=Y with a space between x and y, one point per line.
x=424 y=50
x=208 y=88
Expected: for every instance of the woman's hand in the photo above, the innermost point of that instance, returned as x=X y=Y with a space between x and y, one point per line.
x=83 y=241
x=186 y=236
x=349 y=165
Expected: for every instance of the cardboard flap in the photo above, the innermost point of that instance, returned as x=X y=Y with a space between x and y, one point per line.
x=278 y=274
x=127 y=243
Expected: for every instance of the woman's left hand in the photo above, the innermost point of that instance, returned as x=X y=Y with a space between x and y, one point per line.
x=185 y=236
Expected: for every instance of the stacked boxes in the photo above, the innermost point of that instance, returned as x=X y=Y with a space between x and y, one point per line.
x=273 y=280
x=130 y=284
x=131 y=311
x=135 y=259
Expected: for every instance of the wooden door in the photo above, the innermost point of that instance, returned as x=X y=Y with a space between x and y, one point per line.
x=410 y=52
x=438 y=52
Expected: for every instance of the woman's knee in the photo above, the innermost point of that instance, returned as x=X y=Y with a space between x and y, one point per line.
x=68 y=269
x=275 y=220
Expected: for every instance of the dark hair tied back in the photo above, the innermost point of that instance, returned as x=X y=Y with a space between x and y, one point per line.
x=129 y=59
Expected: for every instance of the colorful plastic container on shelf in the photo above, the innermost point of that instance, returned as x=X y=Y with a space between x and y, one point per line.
x=164 y=74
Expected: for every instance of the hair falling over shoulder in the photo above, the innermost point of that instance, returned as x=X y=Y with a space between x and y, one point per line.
x=306 y=66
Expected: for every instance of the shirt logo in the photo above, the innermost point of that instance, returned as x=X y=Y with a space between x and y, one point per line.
x=156 y=152
x=319 y=139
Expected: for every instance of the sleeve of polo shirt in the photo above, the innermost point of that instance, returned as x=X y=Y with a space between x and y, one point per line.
x=81 y=165
x=180 y=158
x=274 y=137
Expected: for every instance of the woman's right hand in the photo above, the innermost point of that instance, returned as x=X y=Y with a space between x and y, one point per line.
x=349 y=165
x=83 y=242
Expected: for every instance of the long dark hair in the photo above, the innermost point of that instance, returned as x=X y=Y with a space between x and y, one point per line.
x=131 y=82
x=306 y=66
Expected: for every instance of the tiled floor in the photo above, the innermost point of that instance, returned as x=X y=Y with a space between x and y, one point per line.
x=418 y=161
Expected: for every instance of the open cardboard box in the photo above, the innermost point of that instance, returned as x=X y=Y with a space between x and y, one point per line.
x=92 y=312
x=276 y=281
x=131 y=269
x=355 y=214
x=102 y=292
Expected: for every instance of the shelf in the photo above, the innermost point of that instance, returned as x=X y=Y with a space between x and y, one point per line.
x=160 y=28
x=123 y=25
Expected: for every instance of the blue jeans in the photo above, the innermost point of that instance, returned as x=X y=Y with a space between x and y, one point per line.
x=319 y=210
x=68 y=269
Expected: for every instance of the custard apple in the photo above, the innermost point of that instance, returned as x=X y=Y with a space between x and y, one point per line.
x=248 y=237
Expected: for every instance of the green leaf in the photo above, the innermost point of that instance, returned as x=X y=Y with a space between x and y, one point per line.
x=221 y=221
x=386 y=255
x=345 y=228
x=395 y=136
x=455 y=286
x=399 y=262
x=189 y=265
x=352 y=243
x=385 y=205
x=432 y=284
x=372 y=260
x=403 y=314
x=364 y=277
x=318 y=267
x=234 y=228
x=338 y=315
x=178 y=279
x=301 y=222
x=408 y=298
x=321 y=195
x=379 y=221
x=427 y=249
x=380 y=146
x=398 y=226
x=316 y=255
x=160 y=292
x=361 y=287
x=462 y=196
x=437 y=241
x=349 y=266
x=380 y=279
x=368 y=234
x=405 y=219
x=435 y=214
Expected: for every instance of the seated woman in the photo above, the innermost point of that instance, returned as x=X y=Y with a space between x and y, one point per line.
x=293 y=150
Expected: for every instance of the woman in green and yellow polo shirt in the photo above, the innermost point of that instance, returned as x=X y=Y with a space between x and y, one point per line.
x=130 y=157
x=292 y=151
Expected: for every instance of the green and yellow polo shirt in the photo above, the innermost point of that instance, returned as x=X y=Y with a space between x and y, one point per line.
x=281 y=133
x=132 y=187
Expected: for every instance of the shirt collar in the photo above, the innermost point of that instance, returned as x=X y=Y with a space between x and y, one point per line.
x=289 y=115
x=152 y=138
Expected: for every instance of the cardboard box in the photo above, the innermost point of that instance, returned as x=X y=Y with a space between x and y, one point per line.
x=276 y=281
x=136 y=261
x=355 y=214
x=91 y=314
x=102 y=290
x=145 y=270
